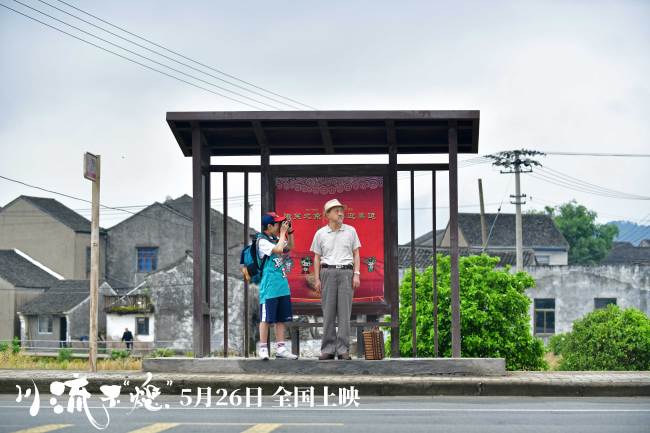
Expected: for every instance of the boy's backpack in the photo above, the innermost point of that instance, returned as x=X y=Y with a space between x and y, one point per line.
x=251 y=266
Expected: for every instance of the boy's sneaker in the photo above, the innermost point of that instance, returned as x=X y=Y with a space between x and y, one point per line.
x=283 y=353
x=263 y=353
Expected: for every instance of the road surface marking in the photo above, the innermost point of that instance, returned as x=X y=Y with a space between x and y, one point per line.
x=155 y=428
x=262 y=428
x=44 y=428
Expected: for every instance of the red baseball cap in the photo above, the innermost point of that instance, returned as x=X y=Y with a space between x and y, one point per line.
x=272 y=217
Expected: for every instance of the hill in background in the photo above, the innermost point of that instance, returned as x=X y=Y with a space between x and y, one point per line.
x=631 y=232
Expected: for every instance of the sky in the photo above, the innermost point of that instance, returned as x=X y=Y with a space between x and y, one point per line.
x=555 y=76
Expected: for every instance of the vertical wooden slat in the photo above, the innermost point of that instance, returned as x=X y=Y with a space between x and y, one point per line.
x=200 y=245
x=390 y=238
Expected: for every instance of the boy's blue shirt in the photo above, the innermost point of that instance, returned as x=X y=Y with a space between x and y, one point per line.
x=274 y=275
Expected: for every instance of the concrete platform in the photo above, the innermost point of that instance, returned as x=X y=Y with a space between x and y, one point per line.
x=518 y=383
x=384 y=367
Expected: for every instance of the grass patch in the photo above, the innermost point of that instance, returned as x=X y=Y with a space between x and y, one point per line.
x=553 y=360
x=20 y=361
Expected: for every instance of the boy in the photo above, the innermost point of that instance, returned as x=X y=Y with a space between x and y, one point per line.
x=275 y=297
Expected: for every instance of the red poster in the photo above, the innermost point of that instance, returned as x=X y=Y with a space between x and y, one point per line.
x=302 y=199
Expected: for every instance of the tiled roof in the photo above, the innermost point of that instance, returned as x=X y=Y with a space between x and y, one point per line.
x=61 y=297
x=624 y=253
x=538 y=230
x=426 y=240
x=183 y=205
x=424 y=256
x=20 y=272
x=60 y=212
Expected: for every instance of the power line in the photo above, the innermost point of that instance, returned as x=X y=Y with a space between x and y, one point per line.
x=185 y=57
x=165 y=56
x=129 y=59
x=556 y=173
x=625 y=155
x=145 y=57
x=494 y=221
x=186 y=226
x=576 y=186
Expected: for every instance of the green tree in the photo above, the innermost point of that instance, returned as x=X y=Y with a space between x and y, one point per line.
x=608 y=339
x=495 y=320
x=589 y=242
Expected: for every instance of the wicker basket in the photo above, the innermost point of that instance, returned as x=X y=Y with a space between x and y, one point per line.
x=373 y=344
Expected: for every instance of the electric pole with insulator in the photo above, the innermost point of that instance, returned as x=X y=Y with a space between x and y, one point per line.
x=517 y=162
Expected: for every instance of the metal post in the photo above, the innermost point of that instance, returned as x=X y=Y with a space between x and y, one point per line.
x=225 y=264
x=94 y=269
x=206 y=231
x=435 y=266
x=414 y=341
x=390 y=236
x=453 y=231
x=246 y=241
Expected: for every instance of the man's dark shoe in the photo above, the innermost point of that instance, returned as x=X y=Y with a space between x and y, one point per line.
x=325 y=356
x=344 y=356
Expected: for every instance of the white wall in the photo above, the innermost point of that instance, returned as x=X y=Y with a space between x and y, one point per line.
x=115 y=324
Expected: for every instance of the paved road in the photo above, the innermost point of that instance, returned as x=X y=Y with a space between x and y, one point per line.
x=374 y=415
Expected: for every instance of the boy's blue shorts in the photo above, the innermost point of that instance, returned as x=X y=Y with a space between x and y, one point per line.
x=276 y=310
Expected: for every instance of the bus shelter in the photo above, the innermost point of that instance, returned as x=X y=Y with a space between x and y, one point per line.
x=299 y=191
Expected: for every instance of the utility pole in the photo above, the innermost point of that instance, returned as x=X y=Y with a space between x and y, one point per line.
x=483 y=225
x=92 y=169
x=517 y=162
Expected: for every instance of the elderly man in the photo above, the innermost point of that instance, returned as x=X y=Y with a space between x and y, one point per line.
x=336 y=268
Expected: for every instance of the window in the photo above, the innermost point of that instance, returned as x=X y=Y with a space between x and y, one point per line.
x=603 y=302
x=147 y=259
x=44 y=324
x=87 y=263
x=543 y=260
x=545 y=316
x=142 y=325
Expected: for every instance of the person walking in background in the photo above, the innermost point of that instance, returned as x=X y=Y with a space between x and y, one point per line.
x=127 y=337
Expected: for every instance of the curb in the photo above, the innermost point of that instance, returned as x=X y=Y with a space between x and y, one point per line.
x=513 y=384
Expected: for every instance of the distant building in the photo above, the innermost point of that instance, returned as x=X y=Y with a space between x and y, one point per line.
x=165 y=315
x=543 y=243
x=160 y=235
x=540 y=235
x=21 y=280
x=51 y=233
x=565 y=294
x=61 y=315
x=624 y=253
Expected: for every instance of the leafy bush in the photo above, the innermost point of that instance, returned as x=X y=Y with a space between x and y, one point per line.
x=162 y=353
x=608 y=339
x=119 y=354
x=4 y=346
x=495 y=320
x=556 y=343
x=15 y=345
x=64 y=355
